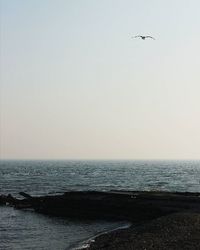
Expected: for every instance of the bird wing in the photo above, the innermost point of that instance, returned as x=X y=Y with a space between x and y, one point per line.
x=150 y=37
x=136 y=36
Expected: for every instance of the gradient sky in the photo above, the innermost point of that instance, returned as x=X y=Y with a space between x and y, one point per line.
x=74 y=84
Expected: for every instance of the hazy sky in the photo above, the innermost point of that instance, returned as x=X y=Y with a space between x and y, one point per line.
x=74 y=84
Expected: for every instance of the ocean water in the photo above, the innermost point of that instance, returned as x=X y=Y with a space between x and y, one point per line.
x=28 y=230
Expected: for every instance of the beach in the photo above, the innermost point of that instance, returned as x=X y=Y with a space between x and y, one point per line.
x=99 y=125
x=21 y=229
x=175 y=231
x=160 y=220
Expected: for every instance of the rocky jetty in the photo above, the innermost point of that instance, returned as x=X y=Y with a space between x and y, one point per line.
x=133 y=205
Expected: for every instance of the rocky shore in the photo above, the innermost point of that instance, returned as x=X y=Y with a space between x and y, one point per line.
x=160 y=220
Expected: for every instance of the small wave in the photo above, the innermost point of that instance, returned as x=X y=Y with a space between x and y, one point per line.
x=88 y=242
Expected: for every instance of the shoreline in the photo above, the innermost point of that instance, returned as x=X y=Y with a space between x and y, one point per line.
x=162 y=220
x=86 y=243
x=175 y=231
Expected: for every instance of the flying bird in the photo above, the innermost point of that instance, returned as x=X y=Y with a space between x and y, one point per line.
x=144 y=37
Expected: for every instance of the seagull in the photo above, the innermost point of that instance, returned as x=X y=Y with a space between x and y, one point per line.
x=144 y=37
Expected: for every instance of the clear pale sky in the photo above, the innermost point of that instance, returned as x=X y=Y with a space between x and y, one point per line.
x=74 y=84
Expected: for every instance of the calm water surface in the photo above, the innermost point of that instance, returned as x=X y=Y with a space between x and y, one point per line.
x=27 y=230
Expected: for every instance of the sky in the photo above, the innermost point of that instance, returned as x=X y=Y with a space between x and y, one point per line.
x=76 y=85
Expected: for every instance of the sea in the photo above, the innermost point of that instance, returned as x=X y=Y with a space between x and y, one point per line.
x=20 y=230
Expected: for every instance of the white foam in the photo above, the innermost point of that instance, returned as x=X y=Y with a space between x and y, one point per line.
x=86 y=244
